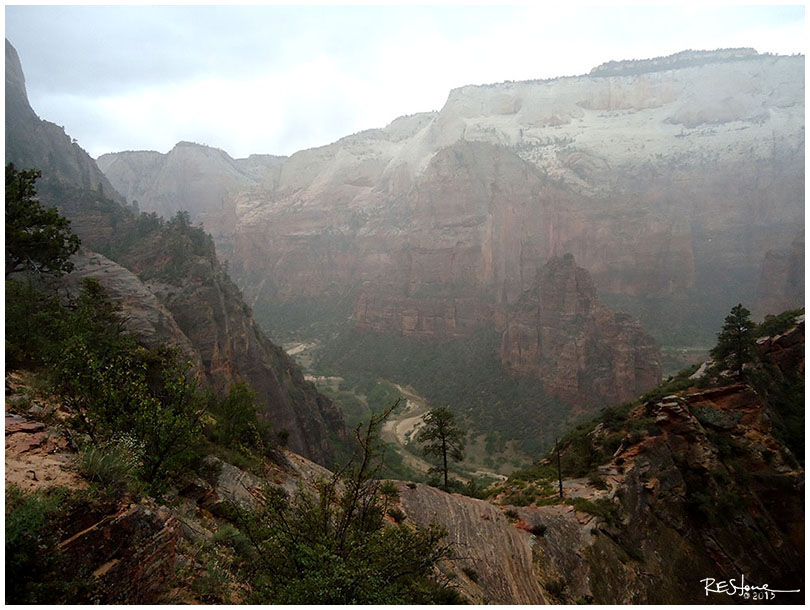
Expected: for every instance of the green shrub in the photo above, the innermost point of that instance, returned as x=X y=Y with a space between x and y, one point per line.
x=229 y=536
x=212 y=583
x=34 y=324
x=31 y=545
x=601 y=507
x=777 y=324
x=389 y=490
x=595 y=479
x=614 y=417
x=715 y=506
x=37 y=239
x=333 y=546
x=20 y=403
x=545 y=471
x=523 y=497
x=112 y=465
x=539 y=529
x=37 y=572
x=556 y=587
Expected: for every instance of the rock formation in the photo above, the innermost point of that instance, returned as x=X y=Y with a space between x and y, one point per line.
x=673 y=179
x=581 y=350
x=781 y=283
x=142 y=312
x=191 y=173
x=701 y=484
x=181 y=294
x=668 y=180
x=132 y=552
x=497 y=571
x=32 y=142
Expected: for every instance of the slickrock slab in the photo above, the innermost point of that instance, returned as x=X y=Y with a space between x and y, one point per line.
x=483 y=540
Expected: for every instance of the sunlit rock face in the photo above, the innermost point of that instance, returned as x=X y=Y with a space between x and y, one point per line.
x=668 y=180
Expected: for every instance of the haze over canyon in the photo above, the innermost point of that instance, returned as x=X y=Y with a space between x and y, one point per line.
x=676 y=183
x=536 y=256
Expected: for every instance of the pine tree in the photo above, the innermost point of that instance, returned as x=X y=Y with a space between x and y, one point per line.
x=442 y=437
x=37 y=238
x=735 y=342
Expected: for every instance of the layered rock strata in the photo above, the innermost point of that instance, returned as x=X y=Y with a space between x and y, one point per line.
x=664 y=178
x=582 y=351
x=669 y=180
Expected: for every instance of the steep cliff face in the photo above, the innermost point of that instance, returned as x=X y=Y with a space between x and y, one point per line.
x=668 y=180
x=781 y=283
x=582 y=351
x=494 y=563
x=144 y=315
x=181 y=294
x=664 y=178
x=32 y=142
x=208 y=307
x=190 y=173
x=687 y=511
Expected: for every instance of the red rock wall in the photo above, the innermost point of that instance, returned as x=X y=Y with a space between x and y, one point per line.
x=583 y=352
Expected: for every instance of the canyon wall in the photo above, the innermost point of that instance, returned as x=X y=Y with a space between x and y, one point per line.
x=669 y=181
x=167 y=278
x=663 y=179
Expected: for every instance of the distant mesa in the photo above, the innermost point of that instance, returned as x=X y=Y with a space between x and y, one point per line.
x=683 y=59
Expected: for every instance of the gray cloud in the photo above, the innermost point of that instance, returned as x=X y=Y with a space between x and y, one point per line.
x=273 y=79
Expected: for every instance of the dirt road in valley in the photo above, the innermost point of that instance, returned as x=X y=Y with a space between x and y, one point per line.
x=405 y=423
x=401 y=425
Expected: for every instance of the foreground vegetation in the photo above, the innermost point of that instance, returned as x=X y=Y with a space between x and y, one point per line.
x=143 y=426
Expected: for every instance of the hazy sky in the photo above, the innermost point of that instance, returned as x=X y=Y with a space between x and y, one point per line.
x=276 y=79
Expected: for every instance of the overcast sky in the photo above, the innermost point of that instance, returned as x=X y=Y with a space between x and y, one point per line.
x=275 y=79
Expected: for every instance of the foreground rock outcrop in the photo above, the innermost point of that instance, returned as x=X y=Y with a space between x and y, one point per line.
x=702 y=483
x=493 y=561
x=132 y=552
